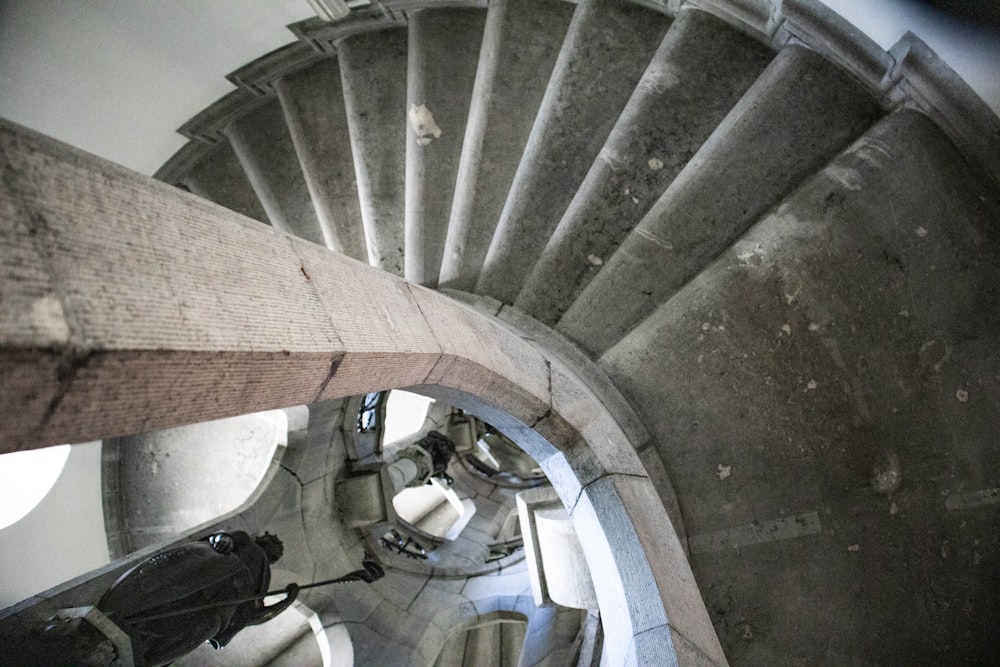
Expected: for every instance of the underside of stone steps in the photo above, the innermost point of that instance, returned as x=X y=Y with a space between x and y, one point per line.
x=765 y=245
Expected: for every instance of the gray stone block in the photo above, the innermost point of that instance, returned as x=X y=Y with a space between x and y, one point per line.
x=443 y=52
x=313 y=104
x=376 y=115
x=264 y=147
x=520 y=45
x=605 y=51
x=797 y=116
x=700 y=70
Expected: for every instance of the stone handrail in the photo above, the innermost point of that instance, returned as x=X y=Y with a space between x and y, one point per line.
x=129 y=305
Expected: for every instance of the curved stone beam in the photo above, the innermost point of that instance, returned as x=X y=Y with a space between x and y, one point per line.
x=128 y=305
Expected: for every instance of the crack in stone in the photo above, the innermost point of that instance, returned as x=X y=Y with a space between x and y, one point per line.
x=72 y=363
x=334 y=365
x=293 y=474
x=426 y=581
x=545 y=415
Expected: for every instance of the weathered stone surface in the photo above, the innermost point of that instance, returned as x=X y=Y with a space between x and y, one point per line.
x=377 y=120
x=220 y=178
x=443 y=53
x=606 y=50
x=855 y=323
x=797 y=116
x=523 y=378
x=582 y=366
x=625 y=536
x=313 y=104
x=520 y=45
x=261 y=142
x=353 y=329
x=701 y=69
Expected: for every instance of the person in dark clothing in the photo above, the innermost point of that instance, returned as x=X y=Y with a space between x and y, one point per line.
x=197 y=592
x=257 y=556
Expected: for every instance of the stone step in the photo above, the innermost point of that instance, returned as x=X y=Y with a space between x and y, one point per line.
x=219 y=177
x=313 y=102
x=453 y=652
x=605 y=52
x=511 y=642
x=521 y=41
x=851 y=333
x=482 y=646
x=373 y=73
x=443 y=52
x=261 y=141
x=799 y=114
x=700 y=71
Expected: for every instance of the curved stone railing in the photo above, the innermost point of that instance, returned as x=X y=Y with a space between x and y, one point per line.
x=198 y=313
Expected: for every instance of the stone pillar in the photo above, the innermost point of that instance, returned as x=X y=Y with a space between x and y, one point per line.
x=556 y=561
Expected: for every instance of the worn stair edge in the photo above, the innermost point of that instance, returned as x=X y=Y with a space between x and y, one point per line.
x=324 y=35
x=181 y=162
x=756 y=17
x=603 y=57
x=376 y=118
x=403 y=8
x=799 y=114
x=313 y=103
x=444 y=46
x=209 y=124
x=929 y=272
x=939 y=92
x=220 y=178
x=264 y=147
x=701 y=70
x=827 y=32
x=260 y=75
x=518 y=53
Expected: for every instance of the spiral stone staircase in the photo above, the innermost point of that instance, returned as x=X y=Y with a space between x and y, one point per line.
x=760 y=247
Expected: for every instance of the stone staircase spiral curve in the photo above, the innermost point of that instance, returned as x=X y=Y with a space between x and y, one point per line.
x=775 y=242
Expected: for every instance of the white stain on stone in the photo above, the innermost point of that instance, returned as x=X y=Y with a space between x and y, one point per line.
x=659 y=78
x=811 y=385
x=655 y=164
x=887 y=475
x=628 y=191
x=48 y=317
x=752 y=257
x=813 y=327
x=422 y=122
x=921 y=232
x=613 y=159
x=787 y=329
x=595 y=260
x=854 y=548
x=848 y=178
x=962 y=395
x=724 y=471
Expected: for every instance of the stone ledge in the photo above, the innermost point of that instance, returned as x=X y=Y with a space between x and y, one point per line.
x=260 y=75
x=939 y=92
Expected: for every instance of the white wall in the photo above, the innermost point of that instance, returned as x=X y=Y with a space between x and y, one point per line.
x=118 y=77
x=63 y=537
